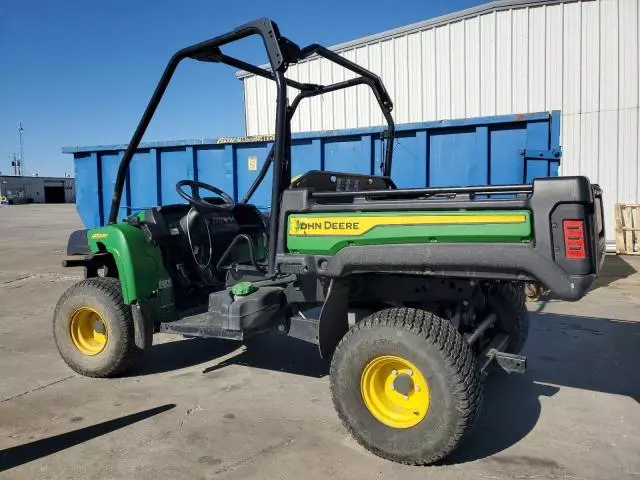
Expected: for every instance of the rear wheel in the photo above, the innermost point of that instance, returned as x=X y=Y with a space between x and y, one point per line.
x=93 y=328
x=406 y=385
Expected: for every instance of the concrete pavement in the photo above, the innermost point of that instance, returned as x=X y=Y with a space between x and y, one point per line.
x=204 y=409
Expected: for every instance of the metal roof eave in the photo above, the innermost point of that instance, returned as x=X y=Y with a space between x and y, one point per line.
x=489 y=7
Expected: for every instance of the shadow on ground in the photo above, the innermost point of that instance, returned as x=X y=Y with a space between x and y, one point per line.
x=279 y=353
x=510 y=410
x=267 y=351
x=595 y=354
x=169 y=356
x=28 y=452
x=614 y=268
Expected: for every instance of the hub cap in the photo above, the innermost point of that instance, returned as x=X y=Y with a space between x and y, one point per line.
x=88 y=331
x=394 y=391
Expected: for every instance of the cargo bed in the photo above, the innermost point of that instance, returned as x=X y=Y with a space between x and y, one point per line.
x=551 y=232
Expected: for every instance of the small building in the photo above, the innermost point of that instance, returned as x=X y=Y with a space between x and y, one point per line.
x=38 y=189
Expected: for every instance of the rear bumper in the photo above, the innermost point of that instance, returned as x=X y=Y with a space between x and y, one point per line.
x=499 y=261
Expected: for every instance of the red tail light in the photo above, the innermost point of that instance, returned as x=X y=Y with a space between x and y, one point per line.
x=574 y=246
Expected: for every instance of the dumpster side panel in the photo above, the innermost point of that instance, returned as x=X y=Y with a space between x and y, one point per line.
x=88 y=189
x=175 y=164
x=217 y=166
x=142 y=182
x=251 y=158
x=477 y=151
x=109 y=162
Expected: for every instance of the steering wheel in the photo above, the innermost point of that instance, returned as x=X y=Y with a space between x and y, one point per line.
x=197 y=201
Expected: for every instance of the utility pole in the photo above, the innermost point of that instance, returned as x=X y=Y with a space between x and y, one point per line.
x=20 y=132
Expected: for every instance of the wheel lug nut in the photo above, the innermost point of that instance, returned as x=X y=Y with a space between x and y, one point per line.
x=406 y=397
x=409 y=372
x=417 y=388
x=392 y=387
x=394 y=372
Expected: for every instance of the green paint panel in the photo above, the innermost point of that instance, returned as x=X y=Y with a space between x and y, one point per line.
x=140 y=266
x=428 y=233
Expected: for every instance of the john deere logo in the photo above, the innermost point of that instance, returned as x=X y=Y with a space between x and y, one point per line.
x=355 y=226
x=326 y=225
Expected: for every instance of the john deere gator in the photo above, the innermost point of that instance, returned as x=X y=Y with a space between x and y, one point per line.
x=412 y=295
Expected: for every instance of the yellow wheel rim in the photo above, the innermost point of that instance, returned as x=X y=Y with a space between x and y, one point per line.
x=395 y=391
x=88 y=331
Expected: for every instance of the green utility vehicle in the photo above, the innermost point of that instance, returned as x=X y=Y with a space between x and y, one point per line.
x=411 y=294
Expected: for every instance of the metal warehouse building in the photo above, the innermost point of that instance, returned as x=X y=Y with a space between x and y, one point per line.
x=505 y=57
x=22 y=189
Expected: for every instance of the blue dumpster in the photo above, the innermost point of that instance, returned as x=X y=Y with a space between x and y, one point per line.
x=507 y=149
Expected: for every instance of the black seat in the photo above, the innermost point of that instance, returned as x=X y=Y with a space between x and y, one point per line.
x=160 y=218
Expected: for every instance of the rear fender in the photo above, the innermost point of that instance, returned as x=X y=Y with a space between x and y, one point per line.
x=334 y=321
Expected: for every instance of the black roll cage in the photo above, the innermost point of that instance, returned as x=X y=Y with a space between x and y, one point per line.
x=282 y=53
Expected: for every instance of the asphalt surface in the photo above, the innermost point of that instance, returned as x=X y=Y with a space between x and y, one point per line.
x=203 y=409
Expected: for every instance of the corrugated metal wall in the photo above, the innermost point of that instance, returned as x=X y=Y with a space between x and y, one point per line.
x=580 y=57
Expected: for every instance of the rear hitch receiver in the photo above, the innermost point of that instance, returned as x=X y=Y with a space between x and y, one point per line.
x=509 y=362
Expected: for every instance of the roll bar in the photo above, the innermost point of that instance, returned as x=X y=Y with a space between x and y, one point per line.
x=281 y=53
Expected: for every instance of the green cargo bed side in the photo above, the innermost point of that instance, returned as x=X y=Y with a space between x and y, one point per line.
x=327 y=233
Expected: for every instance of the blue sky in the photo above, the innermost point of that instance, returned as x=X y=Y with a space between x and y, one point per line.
x=80 y=72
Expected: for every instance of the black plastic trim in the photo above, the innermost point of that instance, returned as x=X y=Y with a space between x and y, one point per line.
x=517 y=262
x=332 y=182
x=78 y=243
x=488 y=189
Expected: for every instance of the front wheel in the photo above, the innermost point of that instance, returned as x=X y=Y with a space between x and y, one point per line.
x=406 y=385
x=93 y=328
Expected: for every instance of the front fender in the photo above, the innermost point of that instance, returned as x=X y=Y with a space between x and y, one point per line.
x=140 y=267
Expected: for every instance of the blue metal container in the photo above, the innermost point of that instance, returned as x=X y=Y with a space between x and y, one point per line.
x=497 y=150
